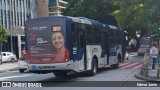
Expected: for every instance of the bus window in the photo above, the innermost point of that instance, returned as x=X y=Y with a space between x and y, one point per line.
x=81 y=38
x=105 y=38
x=74 y=35
x=112 y=36
x=96 y=35
x=89 y=34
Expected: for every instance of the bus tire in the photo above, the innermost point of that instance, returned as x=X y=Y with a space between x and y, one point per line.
x=115 y=66
x=21 y=70
x=60 y=74
x=93 y=71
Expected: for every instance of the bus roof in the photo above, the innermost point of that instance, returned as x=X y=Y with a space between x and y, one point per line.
x=79 y=20
x=112 y=27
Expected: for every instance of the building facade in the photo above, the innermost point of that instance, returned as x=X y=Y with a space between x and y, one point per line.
x=14 y=13
x=49 y=7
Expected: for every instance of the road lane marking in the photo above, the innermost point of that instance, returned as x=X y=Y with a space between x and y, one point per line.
x=127 y=79
x=132 y=64
x=9 y=77
x=137 y=66
x=123 y=64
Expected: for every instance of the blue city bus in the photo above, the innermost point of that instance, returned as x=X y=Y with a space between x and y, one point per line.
x=64 y=44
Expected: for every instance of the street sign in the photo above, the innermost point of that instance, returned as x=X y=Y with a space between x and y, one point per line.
x=18 y=27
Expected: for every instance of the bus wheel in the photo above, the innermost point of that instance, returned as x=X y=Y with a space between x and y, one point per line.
x=21 y=70
x=94 y=68
x=117 y=64
x=60 y=74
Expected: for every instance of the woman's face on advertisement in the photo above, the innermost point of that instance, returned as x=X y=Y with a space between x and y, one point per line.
x=58 y=40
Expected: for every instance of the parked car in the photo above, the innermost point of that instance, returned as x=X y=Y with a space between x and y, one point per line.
x=8 y=57
x=22 y=64
x=143 y=49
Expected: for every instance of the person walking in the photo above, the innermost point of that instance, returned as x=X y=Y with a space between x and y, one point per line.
x=154 y=55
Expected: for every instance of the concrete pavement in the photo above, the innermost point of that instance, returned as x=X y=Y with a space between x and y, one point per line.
x=151 y=75
x=8 y=66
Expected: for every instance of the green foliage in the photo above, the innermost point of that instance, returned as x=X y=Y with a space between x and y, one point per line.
x=94 y=9
x=137 y=15
x=132 y=15
x=3 y=34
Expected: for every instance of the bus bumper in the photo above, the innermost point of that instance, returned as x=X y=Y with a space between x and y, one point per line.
x=51 y=67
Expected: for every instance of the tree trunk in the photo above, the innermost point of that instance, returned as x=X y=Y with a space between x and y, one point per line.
x=0 y=53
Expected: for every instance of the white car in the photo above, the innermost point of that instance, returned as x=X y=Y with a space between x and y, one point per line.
x=8 y=57
x=22 y=64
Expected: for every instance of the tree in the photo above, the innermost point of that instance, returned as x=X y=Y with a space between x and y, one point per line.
x=131 y=15
x=99 y=10
x=137 y=15
x=3 y=34
x=3 y=38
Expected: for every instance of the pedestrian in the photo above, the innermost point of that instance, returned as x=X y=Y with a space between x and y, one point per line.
x=147 y=58
x=154 y=55
x=146 y=62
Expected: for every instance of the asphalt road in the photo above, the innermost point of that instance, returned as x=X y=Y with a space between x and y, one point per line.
x=106 y=78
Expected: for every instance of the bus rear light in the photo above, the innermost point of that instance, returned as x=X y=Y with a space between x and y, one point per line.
x=27 y=56
x=67 y=58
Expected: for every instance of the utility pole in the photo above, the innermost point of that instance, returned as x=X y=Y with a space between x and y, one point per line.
x=1 y=52
x=19 y=28
x=10 y=22
x=11 y=39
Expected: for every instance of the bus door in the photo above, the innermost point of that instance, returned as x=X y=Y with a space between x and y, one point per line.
x=106 y=47
x=112 y=47
x=82 y=49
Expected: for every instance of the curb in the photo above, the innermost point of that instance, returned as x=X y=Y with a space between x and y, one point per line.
x=139 y=76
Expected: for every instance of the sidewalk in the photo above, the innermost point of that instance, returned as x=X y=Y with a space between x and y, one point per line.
x=8 y=67
x=152 y=75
